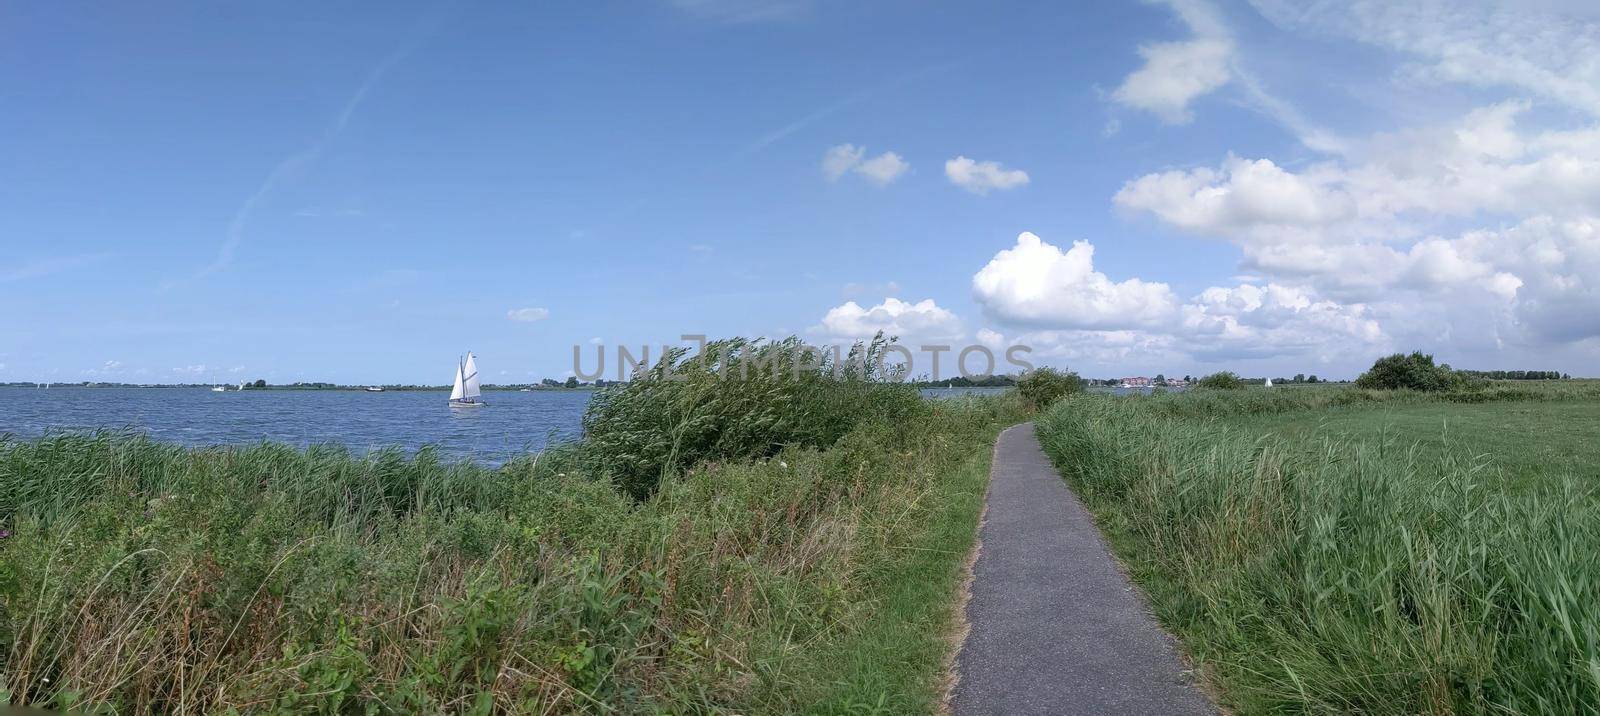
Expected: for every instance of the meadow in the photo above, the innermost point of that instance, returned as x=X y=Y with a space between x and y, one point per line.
x=1337 y=550
x=773 y=544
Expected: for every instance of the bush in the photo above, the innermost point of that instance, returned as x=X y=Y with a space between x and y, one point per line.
x=1415 y=372
x=1221 y=380
x=1047 y=385
x=738 y=399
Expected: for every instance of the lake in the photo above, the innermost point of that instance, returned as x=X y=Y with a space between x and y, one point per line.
x=512 y=423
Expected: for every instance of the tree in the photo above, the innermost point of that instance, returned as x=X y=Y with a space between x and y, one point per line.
x=1312 y=378
x=572 y=381
x=1221 y=380
x=259 y=383
x=1415 y=372
x=1299 y=377
x=1047 y=385
x=1161 y=379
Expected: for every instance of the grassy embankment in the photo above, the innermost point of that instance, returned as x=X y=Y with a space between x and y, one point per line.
x=764 y=545
x=1341 y=550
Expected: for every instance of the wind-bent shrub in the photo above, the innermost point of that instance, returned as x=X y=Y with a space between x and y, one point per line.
x=1047 y=385
x=736 y=399
x=1416 y=372
x=1222 y=380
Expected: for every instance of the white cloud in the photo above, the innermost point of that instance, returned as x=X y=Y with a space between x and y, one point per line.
x=111 y=365
x=528 y=315
x=1543 y=48
x=1036 y=284
x=1077 y=313
x=194 y=370
x=839 y=160
x=881 y=170
x=1238 y=196
x=1176 y=73
x=1173 y=75
x=921 y=320
x=982 y=177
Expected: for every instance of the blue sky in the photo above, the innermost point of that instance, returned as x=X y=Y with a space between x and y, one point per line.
x=321 y=192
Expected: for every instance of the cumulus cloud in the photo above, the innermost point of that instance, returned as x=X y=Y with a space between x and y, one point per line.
x=921 y=320
x=983 y=177
x=881 y=170
x=528 y=315
x=1035 y=283
x=1069 y=311
x=1174 y=74
x=1238 y=197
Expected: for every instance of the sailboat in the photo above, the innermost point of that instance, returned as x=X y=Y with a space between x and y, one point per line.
x=1269 y=383
x=218 y=389
x=465 y=393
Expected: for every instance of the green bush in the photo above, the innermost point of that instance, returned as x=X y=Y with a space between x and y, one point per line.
x=1221 y=380
x=1415 y=372
x=1047 y=385
x=738 y=399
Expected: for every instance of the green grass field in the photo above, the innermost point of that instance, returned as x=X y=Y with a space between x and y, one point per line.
x=1527 y=442
x=1336 y=550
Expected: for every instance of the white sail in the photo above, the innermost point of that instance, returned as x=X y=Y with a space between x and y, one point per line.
x=459 y=391
x=1269 y=382
x=472 y=377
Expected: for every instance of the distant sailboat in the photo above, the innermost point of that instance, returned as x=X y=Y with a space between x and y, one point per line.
x=465 y=393
x=218 y=389
x=374 y=389
x=1269 y=382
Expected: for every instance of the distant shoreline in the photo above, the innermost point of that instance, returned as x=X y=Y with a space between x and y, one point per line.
x=232 y=388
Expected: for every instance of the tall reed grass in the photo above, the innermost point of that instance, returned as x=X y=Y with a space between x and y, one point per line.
x=138 y=577
x=1345 y=577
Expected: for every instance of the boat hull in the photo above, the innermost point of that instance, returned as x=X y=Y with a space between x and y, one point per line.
x=465 y=404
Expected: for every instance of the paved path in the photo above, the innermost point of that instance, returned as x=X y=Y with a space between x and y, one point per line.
x=1055 y=626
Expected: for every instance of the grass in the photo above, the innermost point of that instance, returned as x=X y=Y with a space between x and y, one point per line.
x=815 y=577
x=1337 y=550
x=1529 y=443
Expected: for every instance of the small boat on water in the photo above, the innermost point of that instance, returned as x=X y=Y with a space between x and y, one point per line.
x=374 y=389
x=466 y=392
x=218 y=389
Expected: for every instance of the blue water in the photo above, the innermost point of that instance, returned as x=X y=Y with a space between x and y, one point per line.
x=512 y=423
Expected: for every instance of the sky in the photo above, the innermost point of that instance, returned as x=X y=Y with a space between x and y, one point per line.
x=319 y=191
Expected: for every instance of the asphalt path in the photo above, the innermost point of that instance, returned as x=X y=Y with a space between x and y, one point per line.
x=1055 y=625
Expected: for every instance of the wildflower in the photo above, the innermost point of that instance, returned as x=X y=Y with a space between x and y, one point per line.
x=5 y=533
x=783 y=464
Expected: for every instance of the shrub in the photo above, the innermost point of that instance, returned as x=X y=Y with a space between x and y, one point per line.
x=1047 y=385
x=1416 y=372
x=1221 y=380
x=738 y=399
